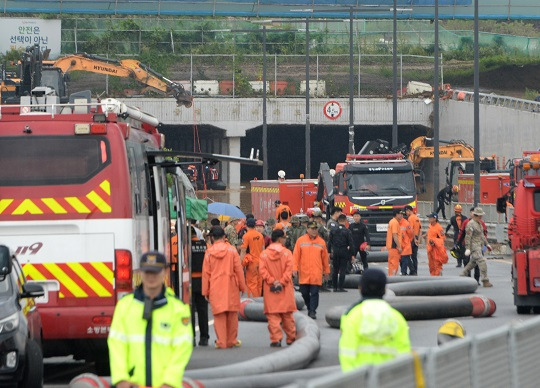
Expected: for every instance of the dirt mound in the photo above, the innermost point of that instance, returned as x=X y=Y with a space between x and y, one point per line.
x=508 y=80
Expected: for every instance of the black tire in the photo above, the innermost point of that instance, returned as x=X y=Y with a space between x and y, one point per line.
x=33 y=369
x=102 y=365
x=523 y=309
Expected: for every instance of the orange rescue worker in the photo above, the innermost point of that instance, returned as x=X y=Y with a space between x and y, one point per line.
x=406 y=252
x=250 y=252
x=310 y=263
x=276 y=267
x=280 y=208
x=393 y=242
x=284 y=224
x=417 y=232
x=222 y=281
x=436 y=250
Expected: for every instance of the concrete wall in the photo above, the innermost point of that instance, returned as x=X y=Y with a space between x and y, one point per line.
x=505 y=132
x=240 y=114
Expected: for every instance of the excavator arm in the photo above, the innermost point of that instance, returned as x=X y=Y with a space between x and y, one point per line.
x=125 y=68
x=422 y=148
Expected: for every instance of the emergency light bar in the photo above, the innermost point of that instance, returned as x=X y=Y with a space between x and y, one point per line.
x=352 y=157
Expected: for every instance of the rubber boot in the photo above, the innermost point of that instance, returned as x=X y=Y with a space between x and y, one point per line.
x=486 y=283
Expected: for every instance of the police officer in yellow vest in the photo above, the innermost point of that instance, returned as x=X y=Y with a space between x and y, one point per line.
x=372 y=331
x=150 y=341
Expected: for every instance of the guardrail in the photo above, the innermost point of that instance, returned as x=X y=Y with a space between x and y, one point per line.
x=504 y=357
x=494 y=99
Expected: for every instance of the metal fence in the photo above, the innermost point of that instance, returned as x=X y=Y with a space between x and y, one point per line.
x=234 y=75
x=502 y=101
x=505 y=357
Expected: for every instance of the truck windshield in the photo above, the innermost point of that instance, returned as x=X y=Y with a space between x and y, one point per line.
x=388 y=183
x=51 y=160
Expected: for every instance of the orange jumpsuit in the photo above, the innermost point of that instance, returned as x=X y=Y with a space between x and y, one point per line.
x=311 y=260
x=222 y=281
x=436 y=253
x=280 y=209
x=393 y=254
x=282 y=225
x=406 y=237
x=253 y=243
x=277 y=264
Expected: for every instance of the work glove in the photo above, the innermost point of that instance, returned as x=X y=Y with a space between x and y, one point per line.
x=467 y=252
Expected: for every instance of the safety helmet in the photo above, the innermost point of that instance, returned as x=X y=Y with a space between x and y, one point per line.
x=450 y=330
x=303 y=218
x=295 y=220
x=309 y=213
x=455 y=189
x=458 y=208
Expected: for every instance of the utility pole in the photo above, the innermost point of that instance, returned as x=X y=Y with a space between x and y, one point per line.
x=351 y=84
x=476 y=111
x=265 y=126
x=436 y=180
x=308 y=131
x=394 y=80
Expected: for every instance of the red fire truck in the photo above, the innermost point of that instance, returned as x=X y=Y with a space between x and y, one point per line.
x=81 y=198
x=298 y=194
x=375 y=184
x=83 y=193
x=492 y=186
x=524 y=232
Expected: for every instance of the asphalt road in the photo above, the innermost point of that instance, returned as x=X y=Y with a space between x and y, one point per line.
x=255 y=338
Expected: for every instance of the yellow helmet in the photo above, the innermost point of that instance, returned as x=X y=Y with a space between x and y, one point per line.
x=450 y=330
x=455 y=189
x=458 y=208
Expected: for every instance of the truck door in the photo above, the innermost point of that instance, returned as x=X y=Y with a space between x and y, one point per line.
x=161 y=226
x=180 y=278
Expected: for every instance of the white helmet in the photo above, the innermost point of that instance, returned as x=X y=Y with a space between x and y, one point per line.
x=281 y=174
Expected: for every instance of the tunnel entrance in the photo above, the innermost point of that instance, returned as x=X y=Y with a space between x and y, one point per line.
x=286 y=150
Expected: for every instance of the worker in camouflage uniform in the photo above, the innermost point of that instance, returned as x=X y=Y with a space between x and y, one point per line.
x=294 y=232
x=231 y=233
x=475 y=240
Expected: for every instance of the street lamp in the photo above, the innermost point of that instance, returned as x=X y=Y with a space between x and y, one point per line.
x=436 y=110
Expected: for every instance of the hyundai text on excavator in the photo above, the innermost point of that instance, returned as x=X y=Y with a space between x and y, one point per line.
x=35 y=75
x=374 y=183
x=524 y=232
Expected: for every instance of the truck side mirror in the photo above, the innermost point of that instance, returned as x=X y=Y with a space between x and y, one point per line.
x=501 y=205
x=6 y=264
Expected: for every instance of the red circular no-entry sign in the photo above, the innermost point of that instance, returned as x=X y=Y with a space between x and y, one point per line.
x=332 y=110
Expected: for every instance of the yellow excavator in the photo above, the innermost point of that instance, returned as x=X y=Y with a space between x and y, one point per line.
x=34 y=72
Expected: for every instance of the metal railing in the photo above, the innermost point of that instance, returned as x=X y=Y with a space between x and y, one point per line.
x=496 y=100
x=504 y=357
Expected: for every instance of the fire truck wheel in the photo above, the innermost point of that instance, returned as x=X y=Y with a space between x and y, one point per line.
x=33 y=369
x=523 y=309
x=102 y=366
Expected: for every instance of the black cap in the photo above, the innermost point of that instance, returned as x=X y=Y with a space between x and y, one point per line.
x=408 y=207
x=312 y=224
x=433 y=215
x=396 y=211
x=373 y=283
x=217 y=231
x=251 y=222
x=356 y=211
x=153 y=262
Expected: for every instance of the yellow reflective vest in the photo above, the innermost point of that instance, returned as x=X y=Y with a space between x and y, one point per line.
x=372 y=332
x=150 y=352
